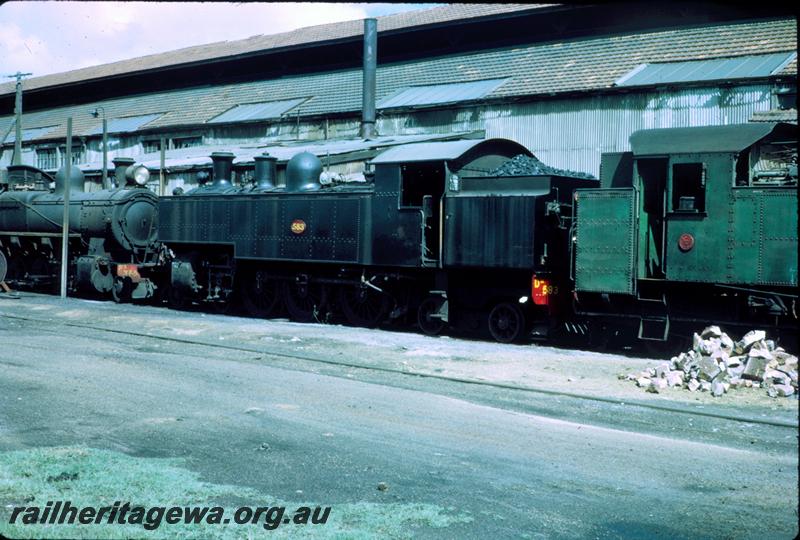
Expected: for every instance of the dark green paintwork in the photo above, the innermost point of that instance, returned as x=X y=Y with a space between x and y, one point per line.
x=604 y=260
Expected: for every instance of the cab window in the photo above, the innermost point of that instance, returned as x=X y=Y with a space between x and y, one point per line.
x=688 y=187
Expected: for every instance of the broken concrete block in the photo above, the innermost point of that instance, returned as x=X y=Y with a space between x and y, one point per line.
x=717 y=389
x=736 y=382
x=651 y=371
x=785 y=359
x=772 y=391
x=760 y=349
x=734 y=361
x=770 y=344
x=784 y=390
x=748 y=383
x=662 y=369
x=708 y=369
x=705 y=386
x=642 y=382
x=791 y=373
x=693 y=385
x=751 y=337
x=776 y=377
x=735 y=371
x=711 y=331
x=701 y=346
x=726 y=342
x=656 y=385
x=754 y=369
x=675 y=378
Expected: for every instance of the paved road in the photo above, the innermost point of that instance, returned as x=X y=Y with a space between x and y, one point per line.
x=238 y=419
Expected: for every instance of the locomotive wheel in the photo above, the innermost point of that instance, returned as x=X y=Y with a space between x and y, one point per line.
x=506 y=322
x=363 y=306
x=430 y=325
x=176 y=299
x=304 y=301
x=121 y=290
x=261 y=295
x=15 y=269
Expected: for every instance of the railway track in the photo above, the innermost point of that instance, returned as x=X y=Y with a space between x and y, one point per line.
x=689 y=411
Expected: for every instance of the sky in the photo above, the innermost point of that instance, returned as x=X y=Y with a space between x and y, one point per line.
x=52 y=37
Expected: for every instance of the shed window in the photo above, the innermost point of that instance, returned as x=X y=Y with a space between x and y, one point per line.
x=77 y=154
x=186 y=142
x=150 y=146
x=688 y=187
x=46 y=158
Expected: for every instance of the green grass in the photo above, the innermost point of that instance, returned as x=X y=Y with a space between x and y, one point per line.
x=91 y=477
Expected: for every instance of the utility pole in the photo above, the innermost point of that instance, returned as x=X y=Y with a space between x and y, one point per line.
x=65 y=228
x=103 y=180
x=17 y=159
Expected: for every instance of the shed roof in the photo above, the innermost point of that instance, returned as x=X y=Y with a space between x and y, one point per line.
x=530 y=70
x=730 y=138
x=283 y=40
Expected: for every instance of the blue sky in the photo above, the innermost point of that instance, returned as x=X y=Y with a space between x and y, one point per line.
x=51 y=37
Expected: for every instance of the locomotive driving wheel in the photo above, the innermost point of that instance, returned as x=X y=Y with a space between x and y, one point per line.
x=261 y=295
x=176 y=298
x=364 y=306
x=427 y=316
x=121 y=290
x=304 y=301
x=506 y=322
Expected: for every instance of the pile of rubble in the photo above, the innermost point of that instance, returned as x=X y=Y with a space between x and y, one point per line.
x=717 y=364
x=522 y=165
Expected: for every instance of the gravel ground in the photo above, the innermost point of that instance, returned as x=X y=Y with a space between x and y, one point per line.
x=535 y=366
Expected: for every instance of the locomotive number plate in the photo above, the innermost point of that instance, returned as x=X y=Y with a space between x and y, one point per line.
x=298 y=226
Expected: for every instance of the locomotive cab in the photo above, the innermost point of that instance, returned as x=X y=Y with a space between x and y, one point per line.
x=697 y=220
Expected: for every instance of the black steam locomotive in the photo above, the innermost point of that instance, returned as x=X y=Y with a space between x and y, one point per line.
x=433 y=237
x=113 y=245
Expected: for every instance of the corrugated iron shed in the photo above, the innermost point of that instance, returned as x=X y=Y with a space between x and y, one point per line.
x=199 y=156
x=440 y=93
x=257 y=111
x=738 y=67
x=29 y=133
x=126 y=124
x=301 y=36
x=538 y=69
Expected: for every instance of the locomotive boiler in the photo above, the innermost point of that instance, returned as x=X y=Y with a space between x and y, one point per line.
x=112 y=233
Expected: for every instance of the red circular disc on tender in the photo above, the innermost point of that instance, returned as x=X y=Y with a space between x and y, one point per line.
x=686 y=242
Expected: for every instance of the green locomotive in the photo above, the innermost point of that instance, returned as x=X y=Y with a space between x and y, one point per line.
x=693 y=226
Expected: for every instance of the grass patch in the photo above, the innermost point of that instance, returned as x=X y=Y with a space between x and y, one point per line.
x=91 y=477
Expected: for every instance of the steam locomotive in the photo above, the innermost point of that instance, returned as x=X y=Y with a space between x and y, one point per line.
x=113 y=247
x=693 y=226
x=431 y=238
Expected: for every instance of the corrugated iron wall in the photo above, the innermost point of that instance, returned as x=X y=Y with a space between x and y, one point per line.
x=572 y=133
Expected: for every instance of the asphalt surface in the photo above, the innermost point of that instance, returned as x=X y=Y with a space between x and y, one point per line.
x=519 y=464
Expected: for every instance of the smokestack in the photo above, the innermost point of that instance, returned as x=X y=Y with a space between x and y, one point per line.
x=223 y=166
x=266 y=171
x=120 y=165
x=368 y=86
